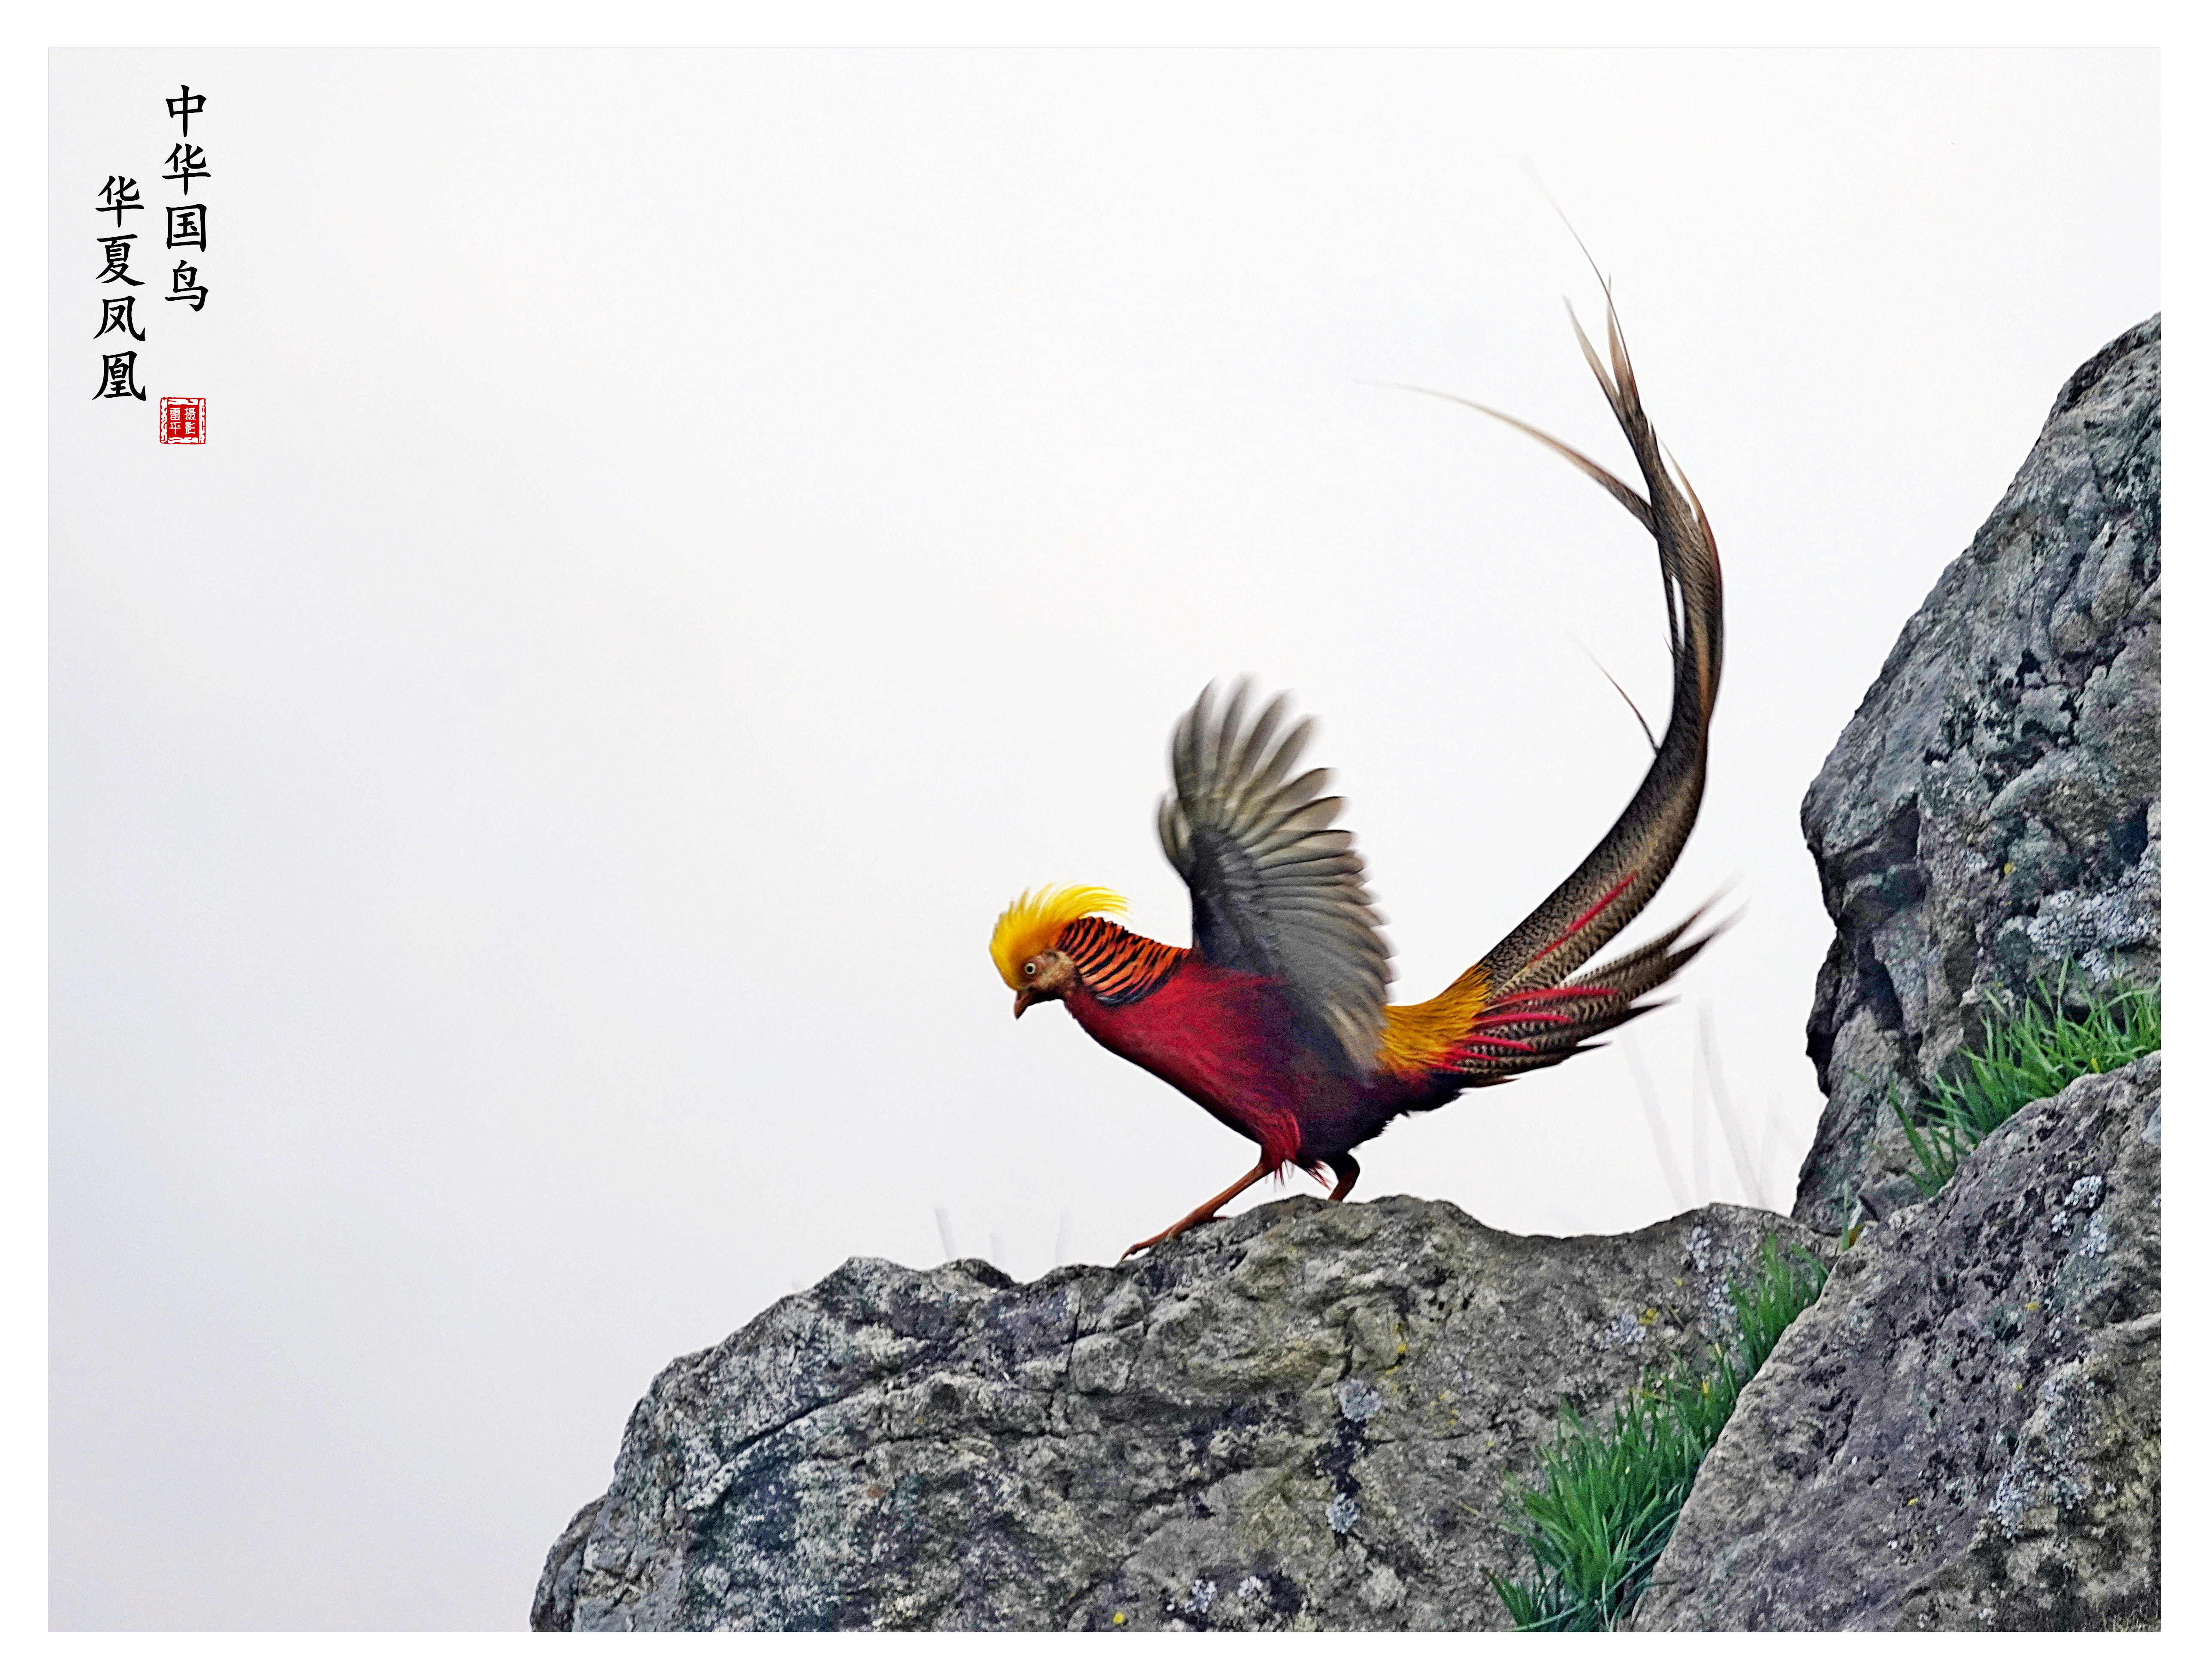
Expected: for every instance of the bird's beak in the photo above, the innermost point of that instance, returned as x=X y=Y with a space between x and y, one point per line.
x=1020 y=1003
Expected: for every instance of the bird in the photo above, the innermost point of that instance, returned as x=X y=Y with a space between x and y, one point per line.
x=1275 y=1019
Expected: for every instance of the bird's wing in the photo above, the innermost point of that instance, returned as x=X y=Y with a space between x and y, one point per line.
x=1275 y=890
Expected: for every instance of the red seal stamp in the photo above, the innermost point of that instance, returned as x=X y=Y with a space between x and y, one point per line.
x=183 y=420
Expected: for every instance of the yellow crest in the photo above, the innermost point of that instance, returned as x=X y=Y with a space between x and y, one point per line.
x=1035 y=919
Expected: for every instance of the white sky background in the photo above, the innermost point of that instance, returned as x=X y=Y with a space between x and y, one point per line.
x=684 y=539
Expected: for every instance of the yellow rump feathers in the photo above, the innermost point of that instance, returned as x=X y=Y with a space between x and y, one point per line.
x=1035 y=919
x=1419 y=1036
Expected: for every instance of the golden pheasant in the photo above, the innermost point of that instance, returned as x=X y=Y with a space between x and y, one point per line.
x=1276 y=1020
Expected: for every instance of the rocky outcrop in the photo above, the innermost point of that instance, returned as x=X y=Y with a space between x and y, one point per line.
x=1300 y=1418
x=1964 y=1430
x=1992 y=811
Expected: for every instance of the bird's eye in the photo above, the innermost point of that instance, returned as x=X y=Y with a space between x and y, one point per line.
x=1028 y=971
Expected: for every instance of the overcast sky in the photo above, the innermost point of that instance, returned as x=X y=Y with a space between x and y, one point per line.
x=683 y=539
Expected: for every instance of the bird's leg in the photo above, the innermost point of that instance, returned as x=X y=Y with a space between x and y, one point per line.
x=1345 y=1170
x=1204 y=1215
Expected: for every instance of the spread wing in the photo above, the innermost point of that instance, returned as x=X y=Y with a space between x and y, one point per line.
x=1275 y=890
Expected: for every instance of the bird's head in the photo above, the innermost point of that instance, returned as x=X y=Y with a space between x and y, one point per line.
x=1024 y=946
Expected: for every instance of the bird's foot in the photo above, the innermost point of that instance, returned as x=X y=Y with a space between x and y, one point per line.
x=1170 y=1232
x=1208 y=1211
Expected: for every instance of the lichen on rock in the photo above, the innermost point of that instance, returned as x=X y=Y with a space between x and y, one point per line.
x=1316 y=1402
x=1991 y=815
x=1964 y=1430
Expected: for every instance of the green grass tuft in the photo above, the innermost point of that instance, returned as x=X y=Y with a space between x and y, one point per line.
x=1609 y=1497
x=2031 y=1051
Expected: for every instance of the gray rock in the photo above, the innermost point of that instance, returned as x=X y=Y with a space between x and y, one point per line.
x=1300 y=1418
x=1964 y=1430
x=1994 y=809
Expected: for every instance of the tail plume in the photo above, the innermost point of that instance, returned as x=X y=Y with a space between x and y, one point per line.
x=1621 y=873
x=1534 y=1004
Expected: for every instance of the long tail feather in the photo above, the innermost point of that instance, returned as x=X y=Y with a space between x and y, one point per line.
x=1621 y=873
x=1530 y=1027
x=1529 y=1003
x=1633 y=501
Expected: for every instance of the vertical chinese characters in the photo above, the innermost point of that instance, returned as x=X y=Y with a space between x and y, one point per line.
x=121 y=329
x=121 y=197
x=118 y=368
x=188 y=222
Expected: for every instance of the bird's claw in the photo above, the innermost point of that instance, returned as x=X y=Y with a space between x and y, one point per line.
x=1168 y=1235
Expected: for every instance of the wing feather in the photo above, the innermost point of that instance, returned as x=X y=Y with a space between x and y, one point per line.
x=1276 y=889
